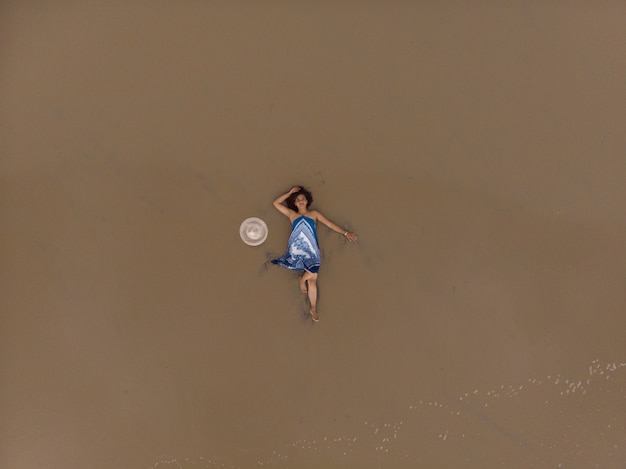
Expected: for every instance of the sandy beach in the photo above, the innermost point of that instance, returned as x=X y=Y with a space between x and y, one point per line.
x=478 y=150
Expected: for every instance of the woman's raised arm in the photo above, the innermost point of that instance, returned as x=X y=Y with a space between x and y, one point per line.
x=279 y=203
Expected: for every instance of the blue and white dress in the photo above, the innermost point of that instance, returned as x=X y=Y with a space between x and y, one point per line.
x=303 y=252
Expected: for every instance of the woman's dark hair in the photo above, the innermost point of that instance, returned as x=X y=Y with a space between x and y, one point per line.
x=291 y=199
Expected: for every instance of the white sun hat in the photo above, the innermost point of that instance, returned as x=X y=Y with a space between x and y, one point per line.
x=253 y=231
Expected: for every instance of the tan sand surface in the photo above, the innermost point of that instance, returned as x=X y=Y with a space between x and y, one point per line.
x=477 y=148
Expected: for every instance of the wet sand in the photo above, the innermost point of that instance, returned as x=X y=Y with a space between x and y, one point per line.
x=477 y=150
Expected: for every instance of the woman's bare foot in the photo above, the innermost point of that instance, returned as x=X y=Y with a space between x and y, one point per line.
x=314 y=315
x=303 y=288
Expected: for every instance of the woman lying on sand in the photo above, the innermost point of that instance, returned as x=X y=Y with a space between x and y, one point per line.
x=303 y=252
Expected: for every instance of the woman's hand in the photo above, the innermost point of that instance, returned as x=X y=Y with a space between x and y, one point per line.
x=294 y=189
x=351 y=236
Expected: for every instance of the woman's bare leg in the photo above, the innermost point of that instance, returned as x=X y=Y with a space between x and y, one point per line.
x=311 y=280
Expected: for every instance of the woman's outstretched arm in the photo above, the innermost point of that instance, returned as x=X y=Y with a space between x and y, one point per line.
x=280 y=200
x=336 y=228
